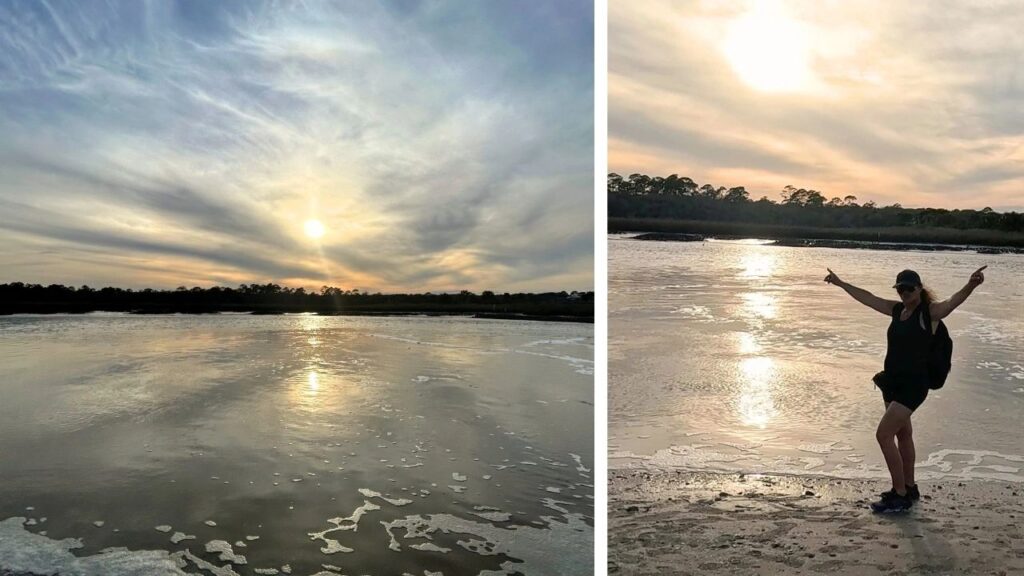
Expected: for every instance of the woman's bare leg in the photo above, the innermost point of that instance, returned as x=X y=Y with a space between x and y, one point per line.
x=896 y=416
x=905 y=439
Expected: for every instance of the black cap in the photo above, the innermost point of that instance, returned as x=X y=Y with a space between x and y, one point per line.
x=907 y=278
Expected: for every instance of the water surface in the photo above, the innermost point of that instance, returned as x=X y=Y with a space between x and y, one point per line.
x=304 y=444
x=736 y=356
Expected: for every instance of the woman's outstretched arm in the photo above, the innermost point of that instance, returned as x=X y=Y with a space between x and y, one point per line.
x=861 y=295
x=940 y=310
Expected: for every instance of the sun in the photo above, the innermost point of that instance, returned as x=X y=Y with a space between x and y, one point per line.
x=769 y=50
x=314 y=229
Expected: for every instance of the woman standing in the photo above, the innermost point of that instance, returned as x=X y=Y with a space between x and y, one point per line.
x=904 y=381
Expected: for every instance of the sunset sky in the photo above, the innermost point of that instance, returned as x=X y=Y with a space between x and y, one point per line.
x=394 y=146
x=918 y=103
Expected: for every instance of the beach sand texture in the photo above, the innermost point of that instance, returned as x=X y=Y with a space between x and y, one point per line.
x=677 y=522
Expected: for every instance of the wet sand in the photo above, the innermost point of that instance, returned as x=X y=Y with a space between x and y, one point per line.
x=677 y=522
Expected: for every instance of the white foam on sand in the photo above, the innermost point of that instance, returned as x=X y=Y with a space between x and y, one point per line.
x=947 y=463
x=227 y=553
x=985 y=464
x=494 y=516
x=579 y=463
x=699 y=313
x=560 y=548
x=578 y=341
x=23 y=551
x=332 y=546
x=580 y=365
x=823 y=448
x=393 y=501
x=163 y=528
x=554 y=505
x=430 y=547
x=181 y=536
x=212 y=568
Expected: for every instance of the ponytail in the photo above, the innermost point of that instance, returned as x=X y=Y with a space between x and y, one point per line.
x=927 y=296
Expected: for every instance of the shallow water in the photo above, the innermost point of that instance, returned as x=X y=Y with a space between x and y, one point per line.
x=305 y=444
x=736 y=356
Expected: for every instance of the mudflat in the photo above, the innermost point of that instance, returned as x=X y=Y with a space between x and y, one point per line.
x=700 y=523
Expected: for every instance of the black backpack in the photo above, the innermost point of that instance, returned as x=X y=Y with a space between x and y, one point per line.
x=940 y=352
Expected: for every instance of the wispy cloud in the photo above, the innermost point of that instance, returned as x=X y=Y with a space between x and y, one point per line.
x=444 y=145
x=916 y=103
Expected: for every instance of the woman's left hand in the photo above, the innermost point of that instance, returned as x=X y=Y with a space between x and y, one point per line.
x=977 y=278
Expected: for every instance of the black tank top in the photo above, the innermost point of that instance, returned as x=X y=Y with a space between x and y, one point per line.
x=908 y=342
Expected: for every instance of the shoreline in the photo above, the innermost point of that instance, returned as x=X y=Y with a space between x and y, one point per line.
x=999 y=240
x=474 y=315
x=828 y=243
x=706 y=523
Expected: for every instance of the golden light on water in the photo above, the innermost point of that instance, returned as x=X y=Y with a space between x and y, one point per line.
x=314 y=381
x=760 y=304
x=748 y=344
x=769 y=50
x=759 y=264
x=755 y=404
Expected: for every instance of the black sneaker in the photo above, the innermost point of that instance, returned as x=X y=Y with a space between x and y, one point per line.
x=913 y=493
x=892 y=502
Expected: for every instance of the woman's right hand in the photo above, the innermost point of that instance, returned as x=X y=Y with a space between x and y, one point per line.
x=832 y=278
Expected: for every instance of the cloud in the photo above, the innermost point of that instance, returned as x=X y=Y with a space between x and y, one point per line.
x=910 y=103
x=418 y=132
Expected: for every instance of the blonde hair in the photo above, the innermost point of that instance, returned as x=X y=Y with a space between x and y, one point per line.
x=927 y=296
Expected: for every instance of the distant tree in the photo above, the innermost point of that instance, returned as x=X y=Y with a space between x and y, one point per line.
x=736 y=194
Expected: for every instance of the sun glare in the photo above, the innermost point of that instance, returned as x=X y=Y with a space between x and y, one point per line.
x=314 y=229
x=769 y=50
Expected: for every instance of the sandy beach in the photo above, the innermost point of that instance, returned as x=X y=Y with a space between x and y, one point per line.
x=676 y=522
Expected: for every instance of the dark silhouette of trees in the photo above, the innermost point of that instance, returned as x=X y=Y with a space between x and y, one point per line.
x=19 y=297
x=679 y=198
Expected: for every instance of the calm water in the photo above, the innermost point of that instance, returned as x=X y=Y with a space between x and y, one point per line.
x=305 y=444
x=738 y=357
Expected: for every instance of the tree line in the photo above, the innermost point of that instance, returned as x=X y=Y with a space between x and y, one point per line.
x=681 y=198
x=19 y=297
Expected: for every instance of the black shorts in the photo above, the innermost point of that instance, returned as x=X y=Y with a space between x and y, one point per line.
x=909 y=392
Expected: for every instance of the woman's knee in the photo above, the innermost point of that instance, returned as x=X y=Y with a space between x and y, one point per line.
x=905 y=434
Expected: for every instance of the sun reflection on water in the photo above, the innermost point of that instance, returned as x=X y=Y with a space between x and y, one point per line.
x=748 y=343
x=758 y=264
x=755 y=404
x=760 y=304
